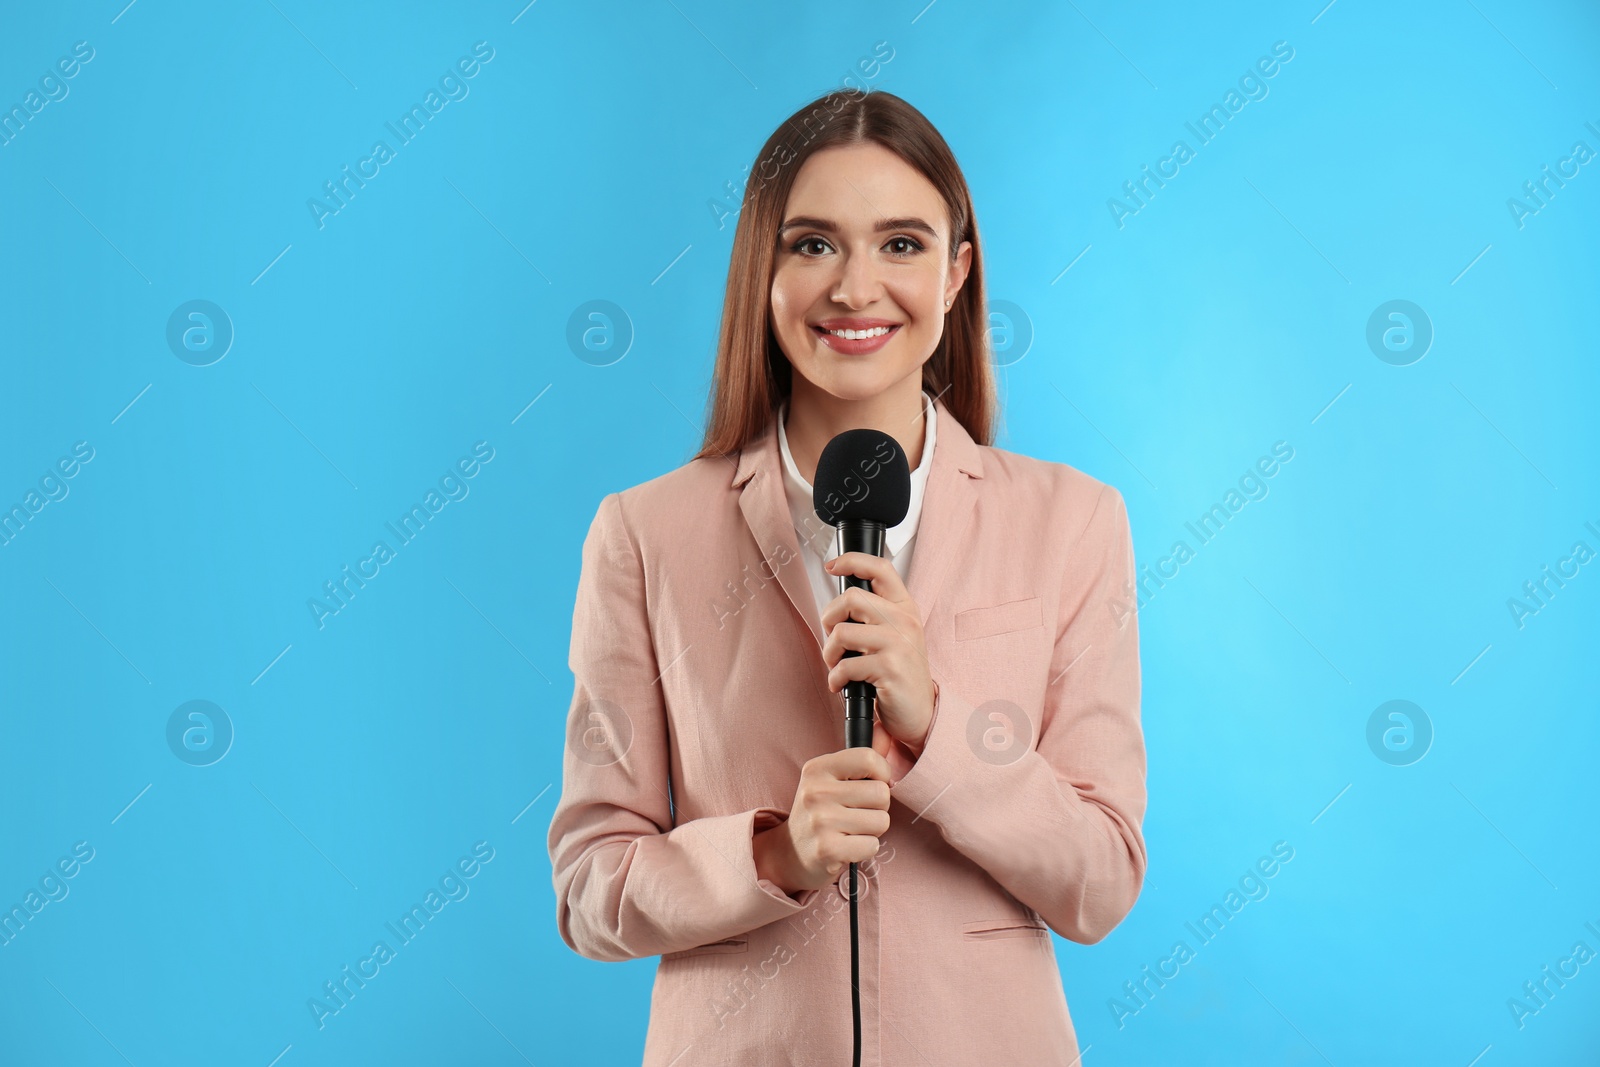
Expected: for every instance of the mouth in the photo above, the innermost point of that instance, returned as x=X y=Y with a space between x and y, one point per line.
x=857 y=342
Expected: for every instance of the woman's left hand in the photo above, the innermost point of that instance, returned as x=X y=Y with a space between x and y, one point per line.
x=885 y=626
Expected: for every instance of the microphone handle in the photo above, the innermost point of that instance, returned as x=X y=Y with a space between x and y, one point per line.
x=859 y=535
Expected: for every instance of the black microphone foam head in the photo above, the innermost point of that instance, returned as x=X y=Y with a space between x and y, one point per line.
x=862 y=475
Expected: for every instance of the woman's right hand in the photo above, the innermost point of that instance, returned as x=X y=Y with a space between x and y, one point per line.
x=841 y=808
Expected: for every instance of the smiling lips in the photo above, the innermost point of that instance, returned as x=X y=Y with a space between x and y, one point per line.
x=855 y=337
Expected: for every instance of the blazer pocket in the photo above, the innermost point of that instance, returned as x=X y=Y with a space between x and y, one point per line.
x=994 y=929
x=1002 y=618
x=732 y=944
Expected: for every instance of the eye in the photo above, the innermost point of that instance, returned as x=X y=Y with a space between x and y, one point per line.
x=907 y=246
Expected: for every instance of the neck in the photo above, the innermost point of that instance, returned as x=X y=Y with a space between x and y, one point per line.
x=815 y=417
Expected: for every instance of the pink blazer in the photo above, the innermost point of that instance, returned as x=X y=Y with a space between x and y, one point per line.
x=700 y=690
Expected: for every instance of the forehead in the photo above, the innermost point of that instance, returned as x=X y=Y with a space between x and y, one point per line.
x=855 y=185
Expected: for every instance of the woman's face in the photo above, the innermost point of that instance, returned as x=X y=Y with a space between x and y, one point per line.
x=836 y=268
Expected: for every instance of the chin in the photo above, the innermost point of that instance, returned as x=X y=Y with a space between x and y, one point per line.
x=865 y=384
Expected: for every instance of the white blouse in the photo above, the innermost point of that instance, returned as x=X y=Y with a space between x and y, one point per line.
x=818 y=542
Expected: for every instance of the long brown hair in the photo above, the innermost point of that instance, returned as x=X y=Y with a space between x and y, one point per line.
x=752 y=375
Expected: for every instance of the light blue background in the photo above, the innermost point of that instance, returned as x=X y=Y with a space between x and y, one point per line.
x=370 y=354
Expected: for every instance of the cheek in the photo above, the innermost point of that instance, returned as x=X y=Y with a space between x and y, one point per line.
x=789 y=308
x=923 y=301
x=789 y=303
x=921 y=295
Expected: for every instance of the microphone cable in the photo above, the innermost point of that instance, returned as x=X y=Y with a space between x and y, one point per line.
x=855 y=973
x=860 y=698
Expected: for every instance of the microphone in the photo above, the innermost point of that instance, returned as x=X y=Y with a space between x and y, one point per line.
x=862 y=488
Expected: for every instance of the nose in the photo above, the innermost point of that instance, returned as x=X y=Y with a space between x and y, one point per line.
x=858 y=284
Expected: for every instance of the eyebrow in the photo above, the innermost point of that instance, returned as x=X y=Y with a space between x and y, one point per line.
x=909 y=222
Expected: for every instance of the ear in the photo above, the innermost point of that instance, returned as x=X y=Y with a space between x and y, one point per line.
x=959 y=268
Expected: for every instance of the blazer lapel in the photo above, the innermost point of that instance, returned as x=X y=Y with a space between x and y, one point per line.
x=759 y=479
x=949 y=504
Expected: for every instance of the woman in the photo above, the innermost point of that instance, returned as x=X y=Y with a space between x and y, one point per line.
x=708 y=811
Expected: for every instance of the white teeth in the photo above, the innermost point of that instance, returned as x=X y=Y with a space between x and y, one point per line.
x=856 y=335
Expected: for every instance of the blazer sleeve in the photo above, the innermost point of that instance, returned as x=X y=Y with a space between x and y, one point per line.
x=1058 y=827
x=629 y=882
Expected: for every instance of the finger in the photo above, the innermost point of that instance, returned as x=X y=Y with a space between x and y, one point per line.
x=880 y=739
x=885 y=579
x=861 y=811
x=859 y=848
x=871 y=822
x=854 y=605
x=855 y=637
x=867 y=668
x=850 y=764
x=853 y=848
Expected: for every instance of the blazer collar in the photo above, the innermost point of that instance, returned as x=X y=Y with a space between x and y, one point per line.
x=948 y=507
